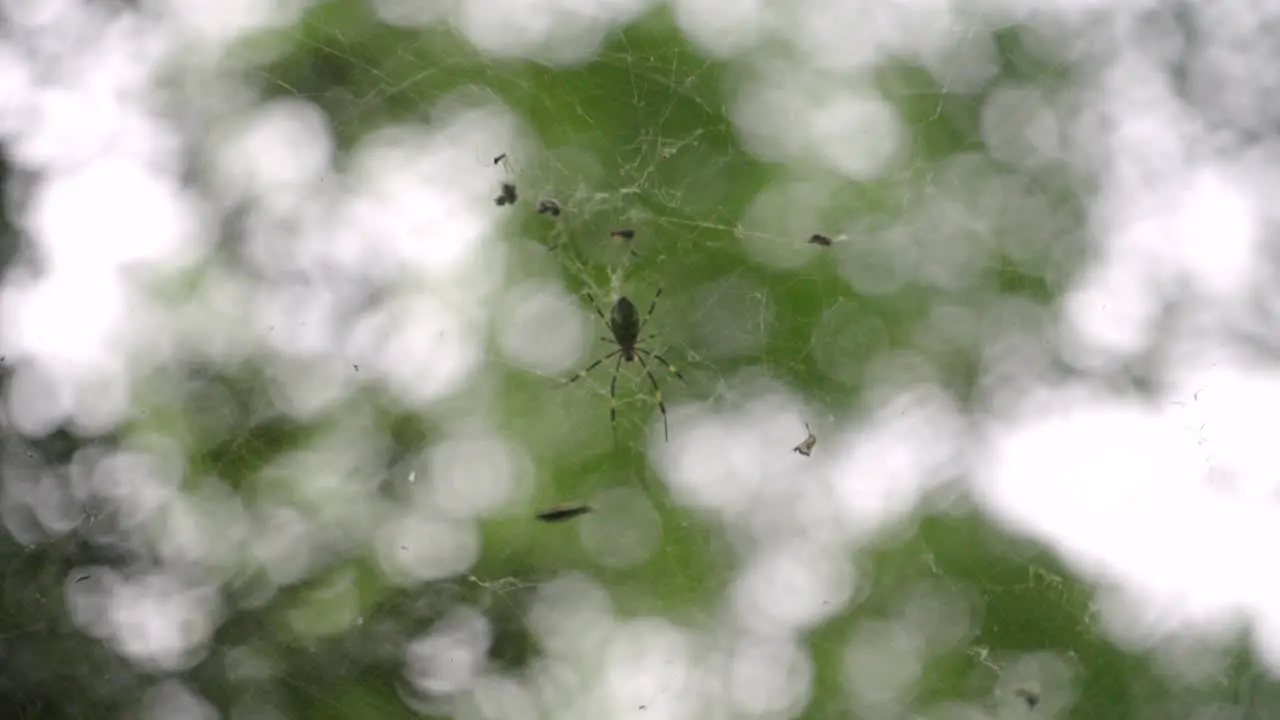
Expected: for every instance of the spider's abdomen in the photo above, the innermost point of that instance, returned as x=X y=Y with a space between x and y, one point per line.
x=624 y=323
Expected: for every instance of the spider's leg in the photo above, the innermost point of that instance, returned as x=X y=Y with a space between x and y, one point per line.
x=613 y=400
x=597 y=309
x=583 y=373
x=652 y=305
x=670 y=368
x=657 y=393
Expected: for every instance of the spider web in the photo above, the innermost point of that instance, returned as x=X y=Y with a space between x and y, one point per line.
x=660 y=172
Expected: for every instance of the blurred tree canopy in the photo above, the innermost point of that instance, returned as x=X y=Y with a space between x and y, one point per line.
x=643 y=136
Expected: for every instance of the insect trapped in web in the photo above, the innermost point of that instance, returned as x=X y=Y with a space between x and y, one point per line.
x=562 y=513
x=805 y=447
x=507 y=196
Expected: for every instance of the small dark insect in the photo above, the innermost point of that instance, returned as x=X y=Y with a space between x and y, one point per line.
x=549 y=207
x=822 y=240
x=82 y=577
x=508 y=195
x=626 y=234
x=500 y=158
x=806 y=447
x=624 y=324
x=560 y=514
x=1031 y=697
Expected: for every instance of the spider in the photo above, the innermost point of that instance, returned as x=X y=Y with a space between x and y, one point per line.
x=624 y=324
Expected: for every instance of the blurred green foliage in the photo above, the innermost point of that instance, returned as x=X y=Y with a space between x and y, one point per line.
x=648 y=91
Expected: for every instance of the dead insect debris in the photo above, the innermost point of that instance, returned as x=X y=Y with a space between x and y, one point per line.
x=806 y=446
x=1029 y=696
x=565 y=512
x=507 y=196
